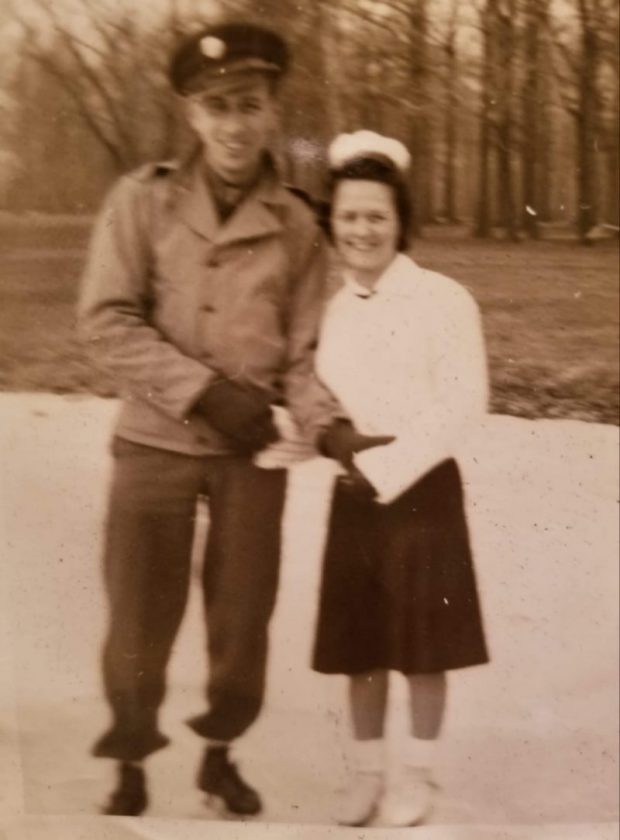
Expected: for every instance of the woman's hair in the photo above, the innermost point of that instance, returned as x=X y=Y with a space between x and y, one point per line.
x=383 y=171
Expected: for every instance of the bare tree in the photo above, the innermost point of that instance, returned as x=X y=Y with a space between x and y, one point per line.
x=420 y=126
x=507 y=11
x=584 y=56
x=384 y=64
x=451 y=113
x=101 y=68
x=488 y=96
x=534 y=138
x=587 y=116
x=609 y=87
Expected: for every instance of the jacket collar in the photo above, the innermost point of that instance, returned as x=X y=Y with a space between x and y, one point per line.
x=256 y=216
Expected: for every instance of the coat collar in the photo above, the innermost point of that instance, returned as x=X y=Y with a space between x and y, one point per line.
x=256 y=216
x=396 y=280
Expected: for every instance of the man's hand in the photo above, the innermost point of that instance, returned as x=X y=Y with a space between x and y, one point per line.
x=341 y=441
x=241 y=413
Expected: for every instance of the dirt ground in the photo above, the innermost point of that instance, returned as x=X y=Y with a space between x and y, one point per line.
x=530 y=744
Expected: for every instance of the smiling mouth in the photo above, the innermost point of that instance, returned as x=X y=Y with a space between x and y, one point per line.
x=235 y=148
x=363 y=249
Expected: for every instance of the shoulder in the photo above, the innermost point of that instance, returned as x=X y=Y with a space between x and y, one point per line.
x=136 y=198
x=140 y=179
x=338 y=301
x=141 y=189
x=302 y=195
x=146 y=177
x=301 y=233
x=301 y=208
x=154 y=171
x=438 y=289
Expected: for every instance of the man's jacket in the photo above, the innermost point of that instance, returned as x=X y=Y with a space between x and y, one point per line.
x=172 y=298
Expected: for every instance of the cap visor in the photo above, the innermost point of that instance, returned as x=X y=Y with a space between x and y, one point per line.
x=230 y=77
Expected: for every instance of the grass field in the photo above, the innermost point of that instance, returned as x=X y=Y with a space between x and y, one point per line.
x=550 y=313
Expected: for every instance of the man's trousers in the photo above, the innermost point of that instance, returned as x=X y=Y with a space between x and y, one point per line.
x=149 y=536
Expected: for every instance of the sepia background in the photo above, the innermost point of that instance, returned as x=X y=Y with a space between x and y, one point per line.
x=510 y=110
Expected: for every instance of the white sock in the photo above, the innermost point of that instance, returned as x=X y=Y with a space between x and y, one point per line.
x=367 y=756
x=420 y=753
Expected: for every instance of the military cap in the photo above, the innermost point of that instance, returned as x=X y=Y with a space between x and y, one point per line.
x=225 y=49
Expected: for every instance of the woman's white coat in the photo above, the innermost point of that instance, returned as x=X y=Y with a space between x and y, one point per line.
x=406 y=359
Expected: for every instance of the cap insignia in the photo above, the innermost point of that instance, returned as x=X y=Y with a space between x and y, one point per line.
x=212 y=47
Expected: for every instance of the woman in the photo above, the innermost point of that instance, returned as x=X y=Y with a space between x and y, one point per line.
x=402 y=351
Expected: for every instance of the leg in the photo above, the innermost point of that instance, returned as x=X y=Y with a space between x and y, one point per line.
x=368 y=701
x=411 y=796
x=149 y=536
x=427 y=693
x=240 y=582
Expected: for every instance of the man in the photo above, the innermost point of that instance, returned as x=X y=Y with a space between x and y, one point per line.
x=202 y=294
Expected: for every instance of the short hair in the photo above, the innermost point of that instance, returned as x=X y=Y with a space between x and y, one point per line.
x=381 y=170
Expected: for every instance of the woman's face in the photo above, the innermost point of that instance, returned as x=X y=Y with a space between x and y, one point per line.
x=365 y=226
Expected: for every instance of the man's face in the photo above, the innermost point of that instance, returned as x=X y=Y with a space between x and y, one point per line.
x=234 y=119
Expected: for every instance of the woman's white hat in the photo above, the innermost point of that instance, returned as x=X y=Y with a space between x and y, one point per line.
x=346 y=147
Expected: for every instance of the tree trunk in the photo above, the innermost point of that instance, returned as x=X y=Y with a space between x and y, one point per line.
x=448 y=210
x=586 y=120
x=613 y=168
x=530 y=120
x=612 y=129
x=420 y=129
x=505 y=130
x=483 y=209
x=546 y=124
x=328 y=66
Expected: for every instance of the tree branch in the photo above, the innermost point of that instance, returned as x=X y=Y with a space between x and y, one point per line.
x=84 y=112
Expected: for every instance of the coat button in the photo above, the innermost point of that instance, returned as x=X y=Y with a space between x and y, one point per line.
x=208 y=307
x=213 y=263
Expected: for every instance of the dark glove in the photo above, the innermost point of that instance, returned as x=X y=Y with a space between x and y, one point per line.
x=341 y=441
x=240 y=412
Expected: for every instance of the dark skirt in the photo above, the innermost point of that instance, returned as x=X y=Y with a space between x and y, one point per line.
x=398 y=589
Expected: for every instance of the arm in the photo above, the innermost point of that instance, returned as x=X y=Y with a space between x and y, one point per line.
x=459 y=401
x=312 y=405
x=461 y=388
x=114 y=306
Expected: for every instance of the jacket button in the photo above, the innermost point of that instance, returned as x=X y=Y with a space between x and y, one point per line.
x=208 y=307
x=213 y=263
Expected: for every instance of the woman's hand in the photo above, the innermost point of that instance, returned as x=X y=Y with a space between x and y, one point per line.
x=341 y=441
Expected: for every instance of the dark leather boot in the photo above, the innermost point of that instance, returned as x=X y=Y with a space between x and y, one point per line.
x=219 y=777
x=129 y=799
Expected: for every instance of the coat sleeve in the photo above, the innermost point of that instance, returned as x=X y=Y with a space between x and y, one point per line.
x=311 y=404
x=114 y=304
x=459 y=402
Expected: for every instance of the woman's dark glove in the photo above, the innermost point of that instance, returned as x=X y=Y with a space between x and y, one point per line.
x=240 y=412
x=341 y=441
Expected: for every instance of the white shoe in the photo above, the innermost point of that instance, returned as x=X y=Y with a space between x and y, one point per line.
x=409 y=799
x=360 y=800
